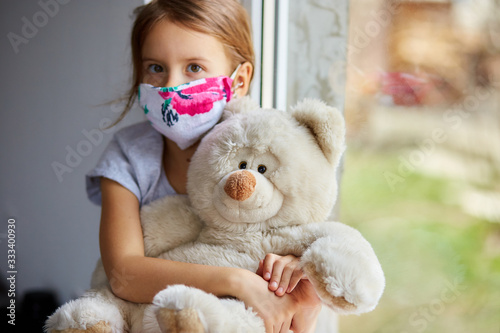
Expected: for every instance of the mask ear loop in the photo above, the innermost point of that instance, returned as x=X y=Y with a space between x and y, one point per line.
x=239 y=84
x=233 y=75
x=235 y=95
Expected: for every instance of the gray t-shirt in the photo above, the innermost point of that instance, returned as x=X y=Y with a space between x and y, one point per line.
x=133 y=158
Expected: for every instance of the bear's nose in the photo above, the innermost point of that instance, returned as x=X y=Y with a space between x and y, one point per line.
x=240 y=185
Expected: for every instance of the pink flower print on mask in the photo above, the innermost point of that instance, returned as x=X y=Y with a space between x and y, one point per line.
x=197 y=97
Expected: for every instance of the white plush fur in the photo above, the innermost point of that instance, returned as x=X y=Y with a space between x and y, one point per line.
x=217 y=315
x=285 y=212
x=88 y=310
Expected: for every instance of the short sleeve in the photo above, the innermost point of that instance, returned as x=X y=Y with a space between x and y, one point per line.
x=114 y=165
x=133 y=159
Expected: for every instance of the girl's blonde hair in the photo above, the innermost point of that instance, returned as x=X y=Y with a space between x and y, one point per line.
x=225 y=20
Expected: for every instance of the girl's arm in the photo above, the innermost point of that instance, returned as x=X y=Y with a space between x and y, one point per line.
x=133 y=276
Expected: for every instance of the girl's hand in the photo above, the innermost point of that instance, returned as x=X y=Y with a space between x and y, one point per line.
x=283 y=273
x=277 y=312
x=297 y=311
x=304 y=320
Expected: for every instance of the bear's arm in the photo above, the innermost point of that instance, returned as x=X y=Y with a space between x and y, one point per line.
x=297 y=239
x=168 y=223
x=339 y=262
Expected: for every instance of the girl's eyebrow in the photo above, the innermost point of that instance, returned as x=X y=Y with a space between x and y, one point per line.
x=149 y=59
x=189 y=59
x=198 y=59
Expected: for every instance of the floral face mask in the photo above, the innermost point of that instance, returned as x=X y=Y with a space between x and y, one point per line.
x=186 y=112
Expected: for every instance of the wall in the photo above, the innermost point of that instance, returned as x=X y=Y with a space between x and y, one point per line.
x=317 y=49
x=59 y=62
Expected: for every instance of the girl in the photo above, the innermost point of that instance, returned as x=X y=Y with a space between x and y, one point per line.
x=175 y=42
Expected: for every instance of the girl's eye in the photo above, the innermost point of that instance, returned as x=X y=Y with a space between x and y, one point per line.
x=194 y=68
x=262 y=168
x=155 y=68
x=243 y=165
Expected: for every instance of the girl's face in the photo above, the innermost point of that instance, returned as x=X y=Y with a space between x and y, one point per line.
x=173 y=55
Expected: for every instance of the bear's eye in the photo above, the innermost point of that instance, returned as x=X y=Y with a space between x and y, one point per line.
x=243 y=165
x=261 y=168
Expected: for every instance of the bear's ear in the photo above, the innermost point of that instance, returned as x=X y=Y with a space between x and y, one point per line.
x=239 y=105
x=327 y=125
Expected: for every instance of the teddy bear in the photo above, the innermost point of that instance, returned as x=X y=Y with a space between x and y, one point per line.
x=261 y=181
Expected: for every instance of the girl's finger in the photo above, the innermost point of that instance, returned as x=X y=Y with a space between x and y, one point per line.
x=286 y=275
x=277 y=273
x=269 y=327
x=285 y=327
x=297 y=275
x=268 y=264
